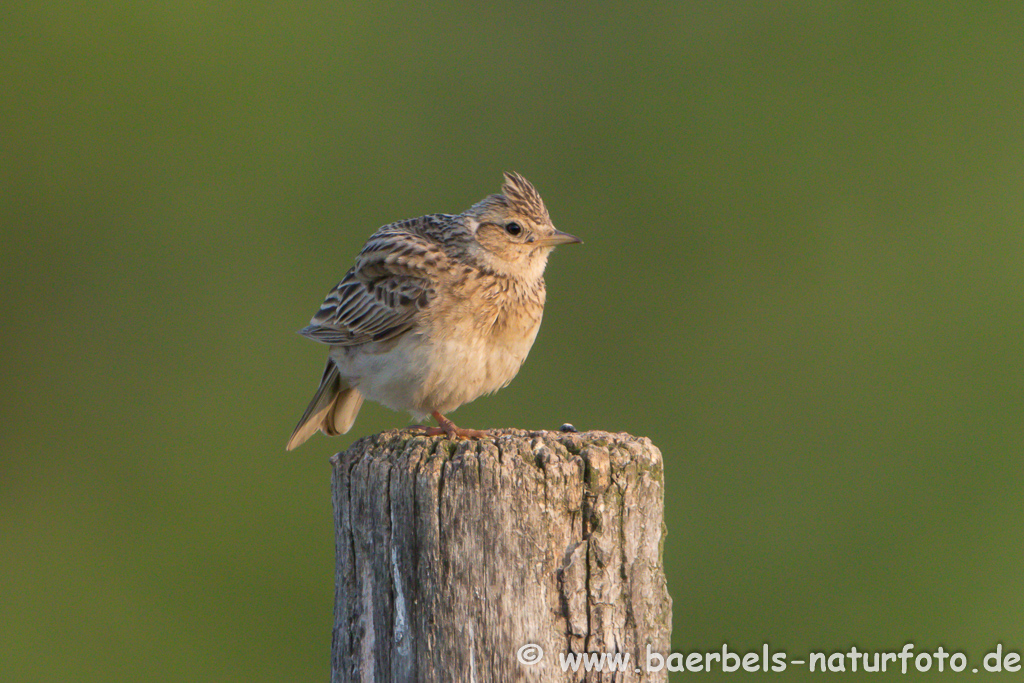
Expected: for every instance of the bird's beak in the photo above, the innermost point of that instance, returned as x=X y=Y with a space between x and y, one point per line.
x=558 y=238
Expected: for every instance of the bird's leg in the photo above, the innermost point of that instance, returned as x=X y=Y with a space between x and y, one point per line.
x=447 y=428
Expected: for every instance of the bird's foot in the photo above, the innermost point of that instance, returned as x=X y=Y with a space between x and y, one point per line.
x=456 y=433
x=448 y=428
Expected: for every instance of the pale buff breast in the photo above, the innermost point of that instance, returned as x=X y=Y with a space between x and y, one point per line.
x=459 y=354
x=467 y=364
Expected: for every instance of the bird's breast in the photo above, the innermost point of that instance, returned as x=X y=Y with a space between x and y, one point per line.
x=481 y=340
x=467 y=343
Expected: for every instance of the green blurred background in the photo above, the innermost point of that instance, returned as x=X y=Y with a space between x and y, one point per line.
x=802 y=278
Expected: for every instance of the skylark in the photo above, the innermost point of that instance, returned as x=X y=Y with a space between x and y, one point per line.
x=437 y=311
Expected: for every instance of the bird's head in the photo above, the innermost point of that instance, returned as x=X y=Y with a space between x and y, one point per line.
x=513 y=234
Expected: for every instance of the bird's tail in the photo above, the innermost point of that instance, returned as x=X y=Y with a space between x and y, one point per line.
x=333 y=409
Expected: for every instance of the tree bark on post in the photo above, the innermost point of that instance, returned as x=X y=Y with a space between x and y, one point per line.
x=485 y=560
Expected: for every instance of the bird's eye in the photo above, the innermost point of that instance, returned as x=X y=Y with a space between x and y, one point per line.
x=514 y=229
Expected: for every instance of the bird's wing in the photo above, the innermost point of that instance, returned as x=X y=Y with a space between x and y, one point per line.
x=379 y=297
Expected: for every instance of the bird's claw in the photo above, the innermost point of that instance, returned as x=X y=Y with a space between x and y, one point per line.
x=448 y=428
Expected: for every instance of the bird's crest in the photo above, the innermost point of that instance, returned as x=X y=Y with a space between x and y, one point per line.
x=522 y=197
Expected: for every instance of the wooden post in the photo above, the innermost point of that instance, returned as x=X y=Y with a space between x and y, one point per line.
x=454 y=557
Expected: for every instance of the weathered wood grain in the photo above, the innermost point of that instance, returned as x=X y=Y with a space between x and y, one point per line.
x=451 y=556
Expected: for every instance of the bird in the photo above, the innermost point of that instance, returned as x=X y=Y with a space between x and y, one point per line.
x=436 y=311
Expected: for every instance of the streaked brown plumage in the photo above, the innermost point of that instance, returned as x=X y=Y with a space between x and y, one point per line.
x=437 y=311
